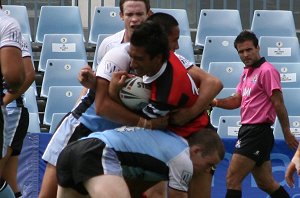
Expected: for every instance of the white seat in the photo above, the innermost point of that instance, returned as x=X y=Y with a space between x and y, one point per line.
x=294 y=122
x=289 y=74
x=186 y=48
x=56 y=119
x=34 y=123
x=229 y=126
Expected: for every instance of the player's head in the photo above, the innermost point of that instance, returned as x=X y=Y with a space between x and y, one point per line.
x=148 y=48
x=206 y=149
x=246 y=44
x=170 y=25
x=133 y=13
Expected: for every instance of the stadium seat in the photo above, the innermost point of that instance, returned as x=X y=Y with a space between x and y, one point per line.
x=61 y=46
x=216 y=113
x=280 y=49
x=273 y=23
x=101 y=37
x=218 y=49
x=289 y=74
x=58 y=20
x=291 y=98
x=217 y=22
x=294 y=127
x=229 y=126
x=56 y=118
x=61 y=99
x=30 y=100
x=61 y=72
x=34 y=123
x=180 y=15
x=106 y=20
x=228 y=72
x=21 y=15
x=186 y=48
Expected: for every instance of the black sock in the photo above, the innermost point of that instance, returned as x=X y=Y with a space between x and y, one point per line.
x=2 y=184
x=18 y=194
x=233 y=193
x=280 y=193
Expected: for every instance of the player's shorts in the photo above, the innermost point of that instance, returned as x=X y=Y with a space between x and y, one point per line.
x=255 y=141
x=84 y=159
x=62 y=136
x=16 y=128
x=3 y=149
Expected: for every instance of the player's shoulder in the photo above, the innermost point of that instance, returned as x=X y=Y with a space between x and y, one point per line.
x=8 y=23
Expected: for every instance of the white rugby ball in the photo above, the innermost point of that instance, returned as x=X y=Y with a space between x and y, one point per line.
x=135 y=94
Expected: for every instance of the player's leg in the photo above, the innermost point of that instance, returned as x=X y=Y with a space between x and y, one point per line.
x=69 y=193
x=107 y=186
x=10 y=174
x=157 y=191
x=49 y=183
x=240 y=166
x=266 y=182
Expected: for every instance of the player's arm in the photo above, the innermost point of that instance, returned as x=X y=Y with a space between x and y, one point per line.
x=281 y=112
x=231 y=102
x=209 y=86
x=12 y=67
x=29 y=78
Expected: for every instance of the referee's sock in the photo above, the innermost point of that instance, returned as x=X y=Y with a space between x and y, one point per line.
x=5 y=190
x=233 y=193
x=280 y=193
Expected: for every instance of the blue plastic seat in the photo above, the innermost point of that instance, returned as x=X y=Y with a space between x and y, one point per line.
x=228 y=72
x=21 y=15
x=186 y=48
x=273 y=23
x=279 y=48
x=30 y=100
x=217 y=22
x=219 y=49
x=61 y=99
x=289 y=74
x=58 y=20
x=216 y=113
x=61 y=46
x=101 y=37
x=106 y=20
x=56 y=119
x=294 y=127
x=291 y=98
x=180 y=15
x=34 y=123
x=61 y=72
x=229 y=126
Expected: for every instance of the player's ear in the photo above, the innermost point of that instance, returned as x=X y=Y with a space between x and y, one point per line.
x=195 y=150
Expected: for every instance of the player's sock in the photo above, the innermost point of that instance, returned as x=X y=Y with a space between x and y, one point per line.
x=233 y=193
x=18 y=195
x=5 y=190
x=280 y=193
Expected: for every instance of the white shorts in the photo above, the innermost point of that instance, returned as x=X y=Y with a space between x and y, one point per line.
x=60 y=139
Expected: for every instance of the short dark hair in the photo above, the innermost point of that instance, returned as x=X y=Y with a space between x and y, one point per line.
x=209 y=141
x=246 y=35
x=147 y=4
x=167 y=21
x=153 y=38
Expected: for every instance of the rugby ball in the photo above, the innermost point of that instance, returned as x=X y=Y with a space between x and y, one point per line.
x=135 y=94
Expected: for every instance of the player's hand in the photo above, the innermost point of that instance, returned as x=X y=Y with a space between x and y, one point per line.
x=117 y=82
x=291 y=169
x=291 y=140
x=155 y=123
x=87 y=77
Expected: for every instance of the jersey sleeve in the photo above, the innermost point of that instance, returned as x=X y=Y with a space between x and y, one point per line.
x=25 y=48
x=181 y=171
x=186 y=63
x=10 y=33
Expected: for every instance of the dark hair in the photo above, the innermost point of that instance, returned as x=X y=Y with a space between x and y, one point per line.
x=153 y=38
x=147 y=4
x=167 y=21
x=209 y=141
x=246 y=35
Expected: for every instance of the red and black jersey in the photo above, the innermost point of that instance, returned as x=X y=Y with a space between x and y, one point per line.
x=175 y=89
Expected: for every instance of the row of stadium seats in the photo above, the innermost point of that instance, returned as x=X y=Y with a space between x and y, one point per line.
x=106 y=20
